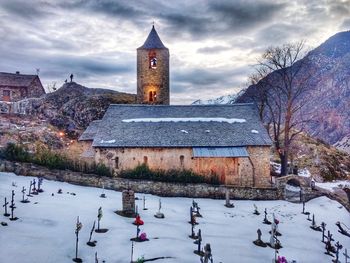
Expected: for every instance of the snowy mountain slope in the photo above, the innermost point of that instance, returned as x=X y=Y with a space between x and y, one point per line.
x=44 y=232
x=228 y=99
x=343 y=144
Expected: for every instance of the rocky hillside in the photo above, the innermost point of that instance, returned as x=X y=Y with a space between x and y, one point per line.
x=72 y=107
x=323 y=161
x=328 y=96
x=57 y=118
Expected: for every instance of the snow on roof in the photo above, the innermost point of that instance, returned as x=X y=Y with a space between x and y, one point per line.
x=200 y=119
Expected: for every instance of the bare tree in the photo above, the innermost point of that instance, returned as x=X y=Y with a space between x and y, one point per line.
x=282 y=80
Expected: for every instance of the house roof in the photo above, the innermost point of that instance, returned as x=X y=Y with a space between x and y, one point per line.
x=90 y=132
x=153 y=41
x=16 y=80
x=181 y=126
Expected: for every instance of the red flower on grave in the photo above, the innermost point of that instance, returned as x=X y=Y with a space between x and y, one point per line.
x=138 y=221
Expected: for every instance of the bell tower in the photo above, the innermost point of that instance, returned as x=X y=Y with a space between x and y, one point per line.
x=153 y=71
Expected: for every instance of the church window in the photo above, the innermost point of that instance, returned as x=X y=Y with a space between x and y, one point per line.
x=152 y=60
x=145 y=160
x=152 y=96
x=154 y=63
x=182 y=159
x=116 y=163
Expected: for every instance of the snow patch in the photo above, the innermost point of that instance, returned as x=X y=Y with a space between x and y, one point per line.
x=254 y=131
x=228 y=120
x=184 y=131
x=330 y=186
x=109 y=141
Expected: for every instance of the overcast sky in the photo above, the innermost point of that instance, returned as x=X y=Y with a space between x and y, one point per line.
x=213 y=44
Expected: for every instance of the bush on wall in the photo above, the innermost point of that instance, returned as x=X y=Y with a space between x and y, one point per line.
x=143 y=172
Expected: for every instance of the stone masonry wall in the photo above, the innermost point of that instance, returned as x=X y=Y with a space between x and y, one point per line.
x=141 y=186
x=149 y=79
x=35 y=89
x=231 y=171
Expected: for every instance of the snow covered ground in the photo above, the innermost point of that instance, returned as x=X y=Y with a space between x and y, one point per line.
x=45 y=229
x=336 y=184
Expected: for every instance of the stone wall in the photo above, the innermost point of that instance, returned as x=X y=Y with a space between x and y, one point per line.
x=231 y=171
x=153 y=79
x=35 y=89
x=25 y=106
x=141 y=186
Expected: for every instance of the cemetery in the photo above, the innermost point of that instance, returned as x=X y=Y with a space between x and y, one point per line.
x=79 y=224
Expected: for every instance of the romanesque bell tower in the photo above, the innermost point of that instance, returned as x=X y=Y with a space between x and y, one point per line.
x=153 y=71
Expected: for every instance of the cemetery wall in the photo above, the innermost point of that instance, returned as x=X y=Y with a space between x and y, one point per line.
x=141 y=186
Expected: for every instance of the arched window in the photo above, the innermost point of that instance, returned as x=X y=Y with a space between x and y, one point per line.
x=116 y=163
x=152 y=96
x=153 y=63
x=152 y=59
x=182 y=159
x=145 y=160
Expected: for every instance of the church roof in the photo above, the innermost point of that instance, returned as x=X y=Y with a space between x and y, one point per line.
x=90 y=132
x=16 y=79
x=181 y=126
x=153 y=41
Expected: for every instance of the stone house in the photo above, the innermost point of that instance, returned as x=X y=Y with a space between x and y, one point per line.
x=15 y=87
x=228 y=141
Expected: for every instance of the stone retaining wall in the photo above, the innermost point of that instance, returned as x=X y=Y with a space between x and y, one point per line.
x=141 y=186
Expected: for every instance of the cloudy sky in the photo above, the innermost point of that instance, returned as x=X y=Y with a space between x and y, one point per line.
x=213 y=44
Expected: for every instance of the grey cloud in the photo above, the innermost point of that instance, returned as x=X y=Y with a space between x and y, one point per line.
x=345 y=25
x=213 y=49
x=26 y=9
x=244 y=15
x=123 y=9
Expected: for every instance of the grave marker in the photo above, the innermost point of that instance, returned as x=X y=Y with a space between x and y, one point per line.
x=78 y=227
x=199 y=251
x=30 y=189
x=92 y=243
x=266 y=221
x=259 y=242
x=5 y=206
x=12 y=206
x=207 y=254
x=40 y=182
x=227 y=197
x=99 y=217
x=314 y=226
x=256 y=212
x=23 y=194
x=159 y=214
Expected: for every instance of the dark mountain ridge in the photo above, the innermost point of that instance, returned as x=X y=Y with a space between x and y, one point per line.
x=327 y=99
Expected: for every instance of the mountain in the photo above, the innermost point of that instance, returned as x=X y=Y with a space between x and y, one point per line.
x=228 y=99
x=328 y=95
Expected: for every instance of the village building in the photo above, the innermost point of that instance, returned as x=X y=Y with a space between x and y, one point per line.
x=226 y=141
x=16 y=86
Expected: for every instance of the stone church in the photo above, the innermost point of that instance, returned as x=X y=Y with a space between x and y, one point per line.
x=228 y=141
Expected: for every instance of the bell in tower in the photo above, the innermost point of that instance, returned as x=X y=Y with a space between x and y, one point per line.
x=153 y=71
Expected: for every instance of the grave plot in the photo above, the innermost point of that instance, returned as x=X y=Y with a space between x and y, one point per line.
x=56 y=227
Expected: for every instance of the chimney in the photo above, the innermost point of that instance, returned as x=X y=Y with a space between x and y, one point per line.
x=17 y=72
